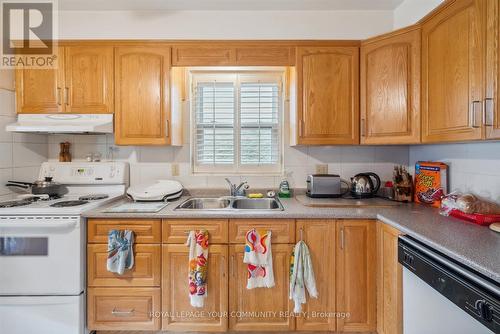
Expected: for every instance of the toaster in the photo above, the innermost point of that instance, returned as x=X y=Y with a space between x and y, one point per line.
x=323 y=185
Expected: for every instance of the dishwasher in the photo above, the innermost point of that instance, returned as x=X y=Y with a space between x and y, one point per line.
x=441 y=296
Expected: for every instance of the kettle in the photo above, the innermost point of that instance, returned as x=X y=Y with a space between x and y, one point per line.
x=362 y=185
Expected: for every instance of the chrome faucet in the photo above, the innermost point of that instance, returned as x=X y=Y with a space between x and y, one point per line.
x=237 y=190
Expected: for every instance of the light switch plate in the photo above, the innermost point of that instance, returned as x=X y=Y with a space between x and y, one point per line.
x=174 y=169
x=321 y=169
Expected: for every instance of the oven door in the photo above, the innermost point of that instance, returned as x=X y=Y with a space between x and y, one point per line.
x=41 y=255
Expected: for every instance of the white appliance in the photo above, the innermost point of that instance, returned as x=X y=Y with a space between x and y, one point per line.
x=62 y=123
x=443 y=297
x=42 y=249
x=161 y=190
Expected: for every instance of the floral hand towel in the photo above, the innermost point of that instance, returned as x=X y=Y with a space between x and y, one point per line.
x=120 y=251
x=198 y=261
x=259 y=259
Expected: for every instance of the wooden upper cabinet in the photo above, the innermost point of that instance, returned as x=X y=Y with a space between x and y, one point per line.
x=202 y=55
x=269 y=304
x=320 y=238
x=265 y=56
x=142 y=108
x=40 y=91
x=390 y=88
x=389 y=282
x=492 y=100
x=175 y=291
x=327 y=95
x=89 y=79
x=356 y=275
x=452 y=73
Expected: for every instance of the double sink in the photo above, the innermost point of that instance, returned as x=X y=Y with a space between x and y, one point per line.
x=231 y=203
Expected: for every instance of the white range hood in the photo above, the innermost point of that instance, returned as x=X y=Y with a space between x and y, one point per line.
x=62 y=123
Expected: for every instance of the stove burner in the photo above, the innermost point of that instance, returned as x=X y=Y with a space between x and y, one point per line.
x=12 y=204
x=68 y=203
x=93 y=197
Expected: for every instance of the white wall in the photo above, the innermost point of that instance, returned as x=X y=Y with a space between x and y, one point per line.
x=411 y=11
x=224 y=24
x=20 y=154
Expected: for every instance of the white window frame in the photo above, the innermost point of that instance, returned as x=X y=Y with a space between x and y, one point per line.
x=237 y=75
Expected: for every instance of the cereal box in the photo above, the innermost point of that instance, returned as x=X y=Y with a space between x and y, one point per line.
x=431 y=182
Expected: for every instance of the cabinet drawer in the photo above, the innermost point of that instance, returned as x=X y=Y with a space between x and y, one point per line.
x=123 y=308
x=283 y=230
x=176 y=231
x=145 y=272
x=145 y=230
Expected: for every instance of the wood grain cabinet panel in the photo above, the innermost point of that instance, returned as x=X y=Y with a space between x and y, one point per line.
x=142 y=90
x=356 y=275
x=328 y=95
x=145 y=230
x=145 y=272
x=175 y=289
x=452 y=73
x=203 y=55
x=40 y=91
x=389 y=282
x=390 y=88
x=176 y=231
x=282 y=230
x=319 y=236
x=123 y=308
x=265 y=56
x=492 y=100
x=89 y=79
x=268 y=305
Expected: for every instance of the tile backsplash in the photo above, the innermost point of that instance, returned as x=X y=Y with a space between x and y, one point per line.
x=20 y=154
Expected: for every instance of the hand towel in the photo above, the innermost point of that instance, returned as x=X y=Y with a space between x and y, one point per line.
x=198 y=261
x=120 y=251
x=301 y=276
x=259 y=259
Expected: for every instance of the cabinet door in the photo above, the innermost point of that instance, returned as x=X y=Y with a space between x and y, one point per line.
x=179 y=314
x=41 y=91
x=452 y=73
x=320 y=238
x=390 y=88
x=328 y=95
x=203 y=55
x=88 y=79
x=262 y=309
x=492 y=101
x=142 y=95
x=389 y=282
x=356 y=274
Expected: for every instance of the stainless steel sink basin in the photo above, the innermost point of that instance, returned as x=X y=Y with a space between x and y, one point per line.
x=256 y=204
x=231 y=204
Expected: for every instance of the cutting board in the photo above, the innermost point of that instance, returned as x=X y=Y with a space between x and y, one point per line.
x=346 y=202
x=132 y=207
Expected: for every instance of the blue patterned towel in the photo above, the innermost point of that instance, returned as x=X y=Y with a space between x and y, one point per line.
x=120 y=252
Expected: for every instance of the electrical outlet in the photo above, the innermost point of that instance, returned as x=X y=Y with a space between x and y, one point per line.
x=174 y=169
x=322 y=169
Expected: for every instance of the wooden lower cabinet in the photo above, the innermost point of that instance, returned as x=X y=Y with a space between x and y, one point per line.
x=178 y=314
x=356 y=275
x=390 y=282
x=262 y=309
x=123 y=308
x=319 y=235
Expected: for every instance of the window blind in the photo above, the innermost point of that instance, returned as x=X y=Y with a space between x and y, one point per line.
x=237 y=122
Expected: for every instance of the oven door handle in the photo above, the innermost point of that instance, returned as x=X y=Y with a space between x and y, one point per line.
x=44 y=225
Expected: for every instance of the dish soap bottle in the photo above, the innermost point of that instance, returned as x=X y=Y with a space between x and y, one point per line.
x=284 y=191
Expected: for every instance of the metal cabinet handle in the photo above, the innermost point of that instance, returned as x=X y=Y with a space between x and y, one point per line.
x=167 y=130
x=474 y=114
x=301 y=128
x=222 y=267
x=58 y=97
x=66 y=95
x=232 y=265
x=363 y=127
x=117 y=313
x=489 y=112
x=342 y=238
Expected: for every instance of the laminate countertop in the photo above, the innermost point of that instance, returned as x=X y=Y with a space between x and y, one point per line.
x=476 y=247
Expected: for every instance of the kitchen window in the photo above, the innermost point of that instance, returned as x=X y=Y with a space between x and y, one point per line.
x=237 y=122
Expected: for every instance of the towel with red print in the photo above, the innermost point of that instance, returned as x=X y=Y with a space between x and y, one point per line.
x=198 y=261
x=259 y=259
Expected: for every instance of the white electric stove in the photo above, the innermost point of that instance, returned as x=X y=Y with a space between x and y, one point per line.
x=42 y=248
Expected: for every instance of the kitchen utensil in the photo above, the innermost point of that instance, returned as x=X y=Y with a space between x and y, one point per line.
x=362 y=185
x=64 y=153
x=325 y=186
x=46 y=186
x=402 y=184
